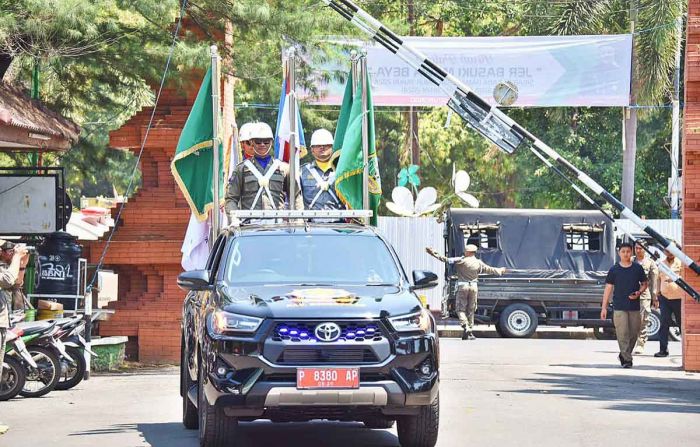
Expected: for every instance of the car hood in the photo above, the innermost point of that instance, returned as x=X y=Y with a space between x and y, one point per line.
x=319 y=301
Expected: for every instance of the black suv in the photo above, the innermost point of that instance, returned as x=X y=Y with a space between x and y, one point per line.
x=294 y=322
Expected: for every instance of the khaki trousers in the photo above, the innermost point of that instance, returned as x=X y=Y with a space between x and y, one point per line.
x=644 y=312
x=627 y=324
x=466 y=305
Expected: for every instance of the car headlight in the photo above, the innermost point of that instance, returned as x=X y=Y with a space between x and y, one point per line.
x=226 y=323
x=417 y=322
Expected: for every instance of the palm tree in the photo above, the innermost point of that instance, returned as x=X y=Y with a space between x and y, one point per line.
x=653 y=57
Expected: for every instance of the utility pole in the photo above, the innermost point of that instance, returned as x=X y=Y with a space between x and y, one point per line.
x=675 y=183
x=413 y=142
x=629 y=154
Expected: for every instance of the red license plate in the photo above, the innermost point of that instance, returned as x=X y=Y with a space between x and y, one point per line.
x=311 y=378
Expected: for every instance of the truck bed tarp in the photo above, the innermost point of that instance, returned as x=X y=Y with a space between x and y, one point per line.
x=532 y=243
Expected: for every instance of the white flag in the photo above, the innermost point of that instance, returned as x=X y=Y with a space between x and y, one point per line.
x=195 y=246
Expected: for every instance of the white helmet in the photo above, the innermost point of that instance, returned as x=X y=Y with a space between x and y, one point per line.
x=245 y=131
x=261 y=130
x=321 y=137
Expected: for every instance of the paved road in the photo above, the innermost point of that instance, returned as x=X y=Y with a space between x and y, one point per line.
x=494 y=392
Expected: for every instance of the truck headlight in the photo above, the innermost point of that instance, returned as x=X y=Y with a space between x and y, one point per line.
x=223 y=323
x=417 y=322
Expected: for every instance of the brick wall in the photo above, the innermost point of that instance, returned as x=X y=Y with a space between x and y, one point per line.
x=691 y=185
x=145 y=251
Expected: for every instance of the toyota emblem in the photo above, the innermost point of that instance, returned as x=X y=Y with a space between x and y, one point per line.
x=327 y=332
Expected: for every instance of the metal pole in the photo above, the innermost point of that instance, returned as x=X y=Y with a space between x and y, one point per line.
x=292 y=98
x=216 y=110
x=353 y=70
x=365 y=134
x=676 y=126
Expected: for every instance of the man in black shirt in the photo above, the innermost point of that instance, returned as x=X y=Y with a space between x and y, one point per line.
x=626 y=281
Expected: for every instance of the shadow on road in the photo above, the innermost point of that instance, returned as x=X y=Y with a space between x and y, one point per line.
x=259 y=433
x=623 y=392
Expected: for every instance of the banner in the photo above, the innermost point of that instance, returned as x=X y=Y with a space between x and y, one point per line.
x=549 y=71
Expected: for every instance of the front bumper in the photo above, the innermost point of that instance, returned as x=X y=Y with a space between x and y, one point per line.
x=253 y=387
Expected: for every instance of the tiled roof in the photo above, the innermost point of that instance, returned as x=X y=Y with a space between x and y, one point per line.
x=19 y=110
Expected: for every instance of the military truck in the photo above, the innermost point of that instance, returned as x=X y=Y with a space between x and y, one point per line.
x=556 y=263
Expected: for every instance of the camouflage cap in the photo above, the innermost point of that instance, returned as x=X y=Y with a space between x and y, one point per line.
x=6 y=245
x=471 y=248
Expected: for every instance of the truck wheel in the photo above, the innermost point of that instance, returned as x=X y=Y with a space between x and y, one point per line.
x=420 y=430
x=215 y=428
x=518 y=321
x=499 y=330
x=379 y=422
x=654 y=325
x=190 y=418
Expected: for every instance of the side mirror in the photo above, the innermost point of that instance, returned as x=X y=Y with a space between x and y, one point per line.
x=194 y=280
x=423 y=279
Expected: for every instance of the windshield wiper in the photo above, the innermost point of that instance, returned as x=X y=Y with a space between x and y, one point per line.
x=380 y=284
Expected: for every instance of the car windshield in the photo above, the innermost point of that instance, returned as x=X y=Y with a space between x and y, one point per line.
x=306 y=259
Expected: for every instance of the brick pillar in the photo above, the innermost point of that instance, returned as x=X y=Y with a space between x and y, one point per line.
x=691 y=185
x=145 y=250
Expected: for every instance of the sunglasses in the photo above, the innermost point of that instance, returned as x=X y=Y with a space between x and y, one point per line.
x=262 y=140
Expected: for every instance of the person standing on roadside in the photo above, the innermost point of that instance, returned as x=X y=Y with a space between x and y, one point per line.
x=670 y=300
x=626 y=281
x=11 y=258
x=649 y=298
x=468 y=268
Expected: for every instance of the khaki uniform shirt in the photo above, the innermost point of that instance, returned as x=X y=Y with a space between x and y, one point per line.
x=243 y=187
x=468 y=268
x=7 y=283
x=671 y=290
x=652 y=272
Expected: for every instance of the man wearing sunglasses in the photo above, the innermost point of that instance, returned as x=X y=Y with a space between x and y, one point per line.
x=261 y=182
x=244 y=137
x=11 y=266
x=318 y=176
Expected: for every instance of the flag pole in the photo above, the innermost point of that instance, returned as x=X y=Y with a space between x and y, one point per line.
x=291 y=66
x=365 y=133
x=215 y=142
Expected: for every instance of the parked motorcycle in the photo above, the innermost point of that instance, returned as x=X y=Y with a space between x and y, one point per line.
x=13 y=371
x=45 y=350
x=71 y=333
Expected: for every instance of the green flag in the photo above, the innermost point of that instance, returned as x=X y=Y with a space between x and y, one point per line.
x=192 y=164
x=344 y=117
x=349 y=173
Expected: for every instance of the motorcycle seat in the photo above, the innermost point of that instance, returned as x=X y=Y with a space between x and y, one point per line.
x=36 y=327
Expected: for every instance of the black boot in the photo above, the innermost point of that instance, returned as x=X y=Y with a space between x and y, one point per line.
x=465 y=334
x=661 y=354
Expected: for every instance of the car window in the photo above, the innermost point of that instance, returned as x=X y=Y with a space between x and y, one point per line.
x=311 y=259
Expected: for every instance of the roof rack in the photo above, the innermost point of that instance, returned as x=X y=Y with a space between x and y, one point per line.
x=301 y=214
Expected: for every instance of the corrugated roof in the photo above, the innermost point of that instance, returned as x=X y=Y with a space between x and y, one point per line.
x=19 y=110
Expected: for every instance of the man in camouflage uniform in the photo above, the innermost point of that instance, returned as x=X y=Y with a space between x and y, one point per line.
x=468 y=268
x=261 y=182
x=649 y=297
x=11 y=257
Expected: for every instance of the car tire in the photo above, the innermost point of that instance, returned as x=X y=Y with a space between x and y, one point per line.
x=11 y=379
x=190 y=417
x=518 y=321
x=49 y=370
x=654 y=325
x=215 y=428
x=75 y=375
x=379 y=423
x=420 y=430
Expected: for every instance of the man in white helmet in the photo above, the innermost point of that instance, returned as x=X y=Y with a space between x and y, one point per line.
x=318 y=176
x=244 y=138
x=261 y=182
